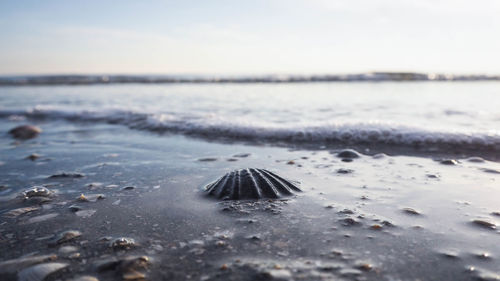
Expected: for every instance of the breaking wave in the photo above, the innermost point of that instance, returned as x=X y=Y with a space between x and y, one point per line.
x=327 y=132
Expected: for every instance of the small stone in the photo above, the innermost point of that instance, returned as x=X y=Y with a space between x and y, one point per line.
x=25 y=132
x=65 y=236
x=67 y=176
x=41 y=218
x=344 y=171
x=364 y=266
x=84 y=278
x=128 y=187
x=86 y=213
x=19 y=211
x=484 y=224
x=450 y=162
x=90 y=197
x=224 y=267
x=33 y=156
x=242 y=155
x=122 y=243
x=65 y=250
x=349 y=222
x=133 y=275
x=37 y=191
x=207 y=159
x=75 y=208
x=40 y=271
x=411 y=211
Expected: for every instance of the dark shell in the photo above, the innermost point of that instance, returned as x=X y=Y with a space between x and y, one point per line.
x=251 y=184
x=348 y=154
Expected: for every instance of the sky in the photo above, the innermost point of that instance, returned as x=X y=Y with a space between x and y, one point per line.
x=227 y=37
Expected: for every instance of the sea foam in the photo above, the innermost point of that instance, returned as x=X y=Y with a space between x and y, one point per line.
x=324 y=132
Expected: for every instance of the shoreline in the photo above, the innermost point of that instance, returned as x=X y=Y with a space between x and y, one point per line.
x=350 y=222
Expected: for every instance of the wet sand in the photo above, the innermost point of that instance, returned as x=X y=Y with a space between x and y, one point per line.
x=377 y=217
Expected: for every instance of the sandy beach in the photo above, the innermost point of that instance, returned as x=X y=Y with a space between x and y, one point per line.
x=377 y=217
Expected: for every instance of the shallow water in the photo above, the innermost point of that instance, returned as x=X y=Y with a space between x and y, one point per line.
x=400 y=215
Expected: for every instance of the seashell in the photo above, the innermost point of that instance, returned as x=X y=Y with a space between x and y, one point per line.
x=40 y=271
x=25 y=132
x=37 y=191
x=251 y=184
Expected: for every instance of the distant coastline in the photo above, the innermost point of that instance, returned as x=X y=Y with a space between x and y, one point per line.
x=171 y=79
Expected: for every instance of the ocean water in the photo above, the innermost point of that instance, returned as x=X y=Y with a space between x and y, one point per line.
x=444 y=115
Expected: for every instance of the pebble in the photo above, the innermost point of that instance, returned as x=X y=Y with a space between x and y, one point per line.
x=484 y=224
x=344 y=171
x=33 y=157
x=84 y=278
x=42 y=218
x=129 y=187
x=411 y=211
x=19 y=211
x=90 y=197
x=37 y=191
x=242 y=155
x=66 y=175
x=207 y=159
x=65 y=250
x=349 y=222
x=40 y=271
x=64 y=237
x=449 y=162
x=85 y=213
x=122 y=243
x=490 y=171
x=278 y=274
x=75 y=208
x=14 y=265
x=25 y=132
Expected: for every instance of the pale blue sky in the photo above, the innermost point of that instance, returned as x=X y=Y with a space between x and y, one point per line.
x=249 y=37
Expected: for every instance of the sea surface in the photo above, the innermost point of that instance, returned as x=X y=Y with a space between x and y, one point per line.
x=444 y=115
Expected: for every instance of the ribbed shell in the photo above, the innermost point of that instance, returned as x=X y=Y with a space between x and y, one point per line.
x=251 y=184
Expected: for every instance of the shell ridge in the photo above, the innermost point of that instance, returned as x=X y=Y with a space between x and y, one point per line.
x=211 y=186
x=258 y=190
x=218 y=188
x=272 y=192
x=250 y=183
x=287 y=182
x=283 y=187
x=225 y=189
x=235 y=190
